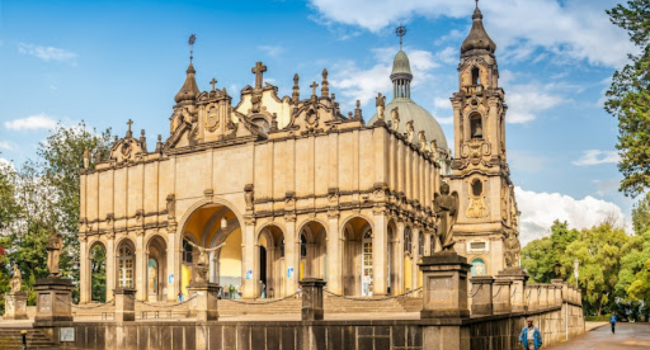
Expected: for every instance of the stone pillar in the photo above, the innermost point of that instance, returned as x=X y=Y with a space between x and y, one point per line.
x=399 y=262
x=334 y=262
x=543 y=296
x=427 y=245
x=416 y=258
x=140 y=266
x=445 y=286
x=124 y=304
x=379 y=254
x=518 y=302
x=85 y=283
x=532 y=292
x=481 y=295
x=312 y=299
x=502 y=296
x=15 y=306
x=248 y=258
x=174 y=257
x=205 y=304
x=291 y=256
x=110 y=265
x=53 y=299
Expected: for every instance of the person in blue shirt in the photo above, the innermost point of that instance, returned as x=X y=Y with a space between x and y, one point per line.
x=530 y=337
x=612 y=320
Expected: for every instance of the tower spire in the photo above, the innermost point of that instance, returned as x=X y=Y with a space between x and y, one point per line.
x=190 y=90
x=400 y=32
x=191 y=42
x=401 y=74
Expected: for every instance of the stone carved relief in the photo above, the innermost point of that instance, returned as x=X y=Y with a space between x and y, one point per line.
x=212 y=118
x=475 y=150
x=381 y=106
x=477 y=207
x=249 y=196
x=394 y=116
x=171 y=206
x=513 y=249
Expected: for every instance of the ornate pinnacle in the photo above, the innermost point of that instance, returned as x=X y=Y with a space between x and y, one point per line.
x=357 y=111
x=295 y=97
x=325 y=89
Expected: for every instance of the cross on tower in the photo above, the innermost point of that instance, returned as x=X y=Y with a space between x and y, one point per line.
x=313 y=86
x=213 y=82
x=129 y=124
x=476 y=3
x=258 y=70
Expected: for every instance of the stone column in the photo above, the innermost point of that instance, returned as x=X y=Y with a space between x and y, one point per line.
x=416 y=258
x=519 y=292
x=502 y=295
x=399 y=259
x=379 y=254
x=291 y=256
x=110 y=265
x=53 y=299
x=15 y=306
x=140 y=266
x=334 y=268
x=482 y=303
x=124 y=304
x=312 y=299
x=445 y=286
x=427 y=244
x=174 y=254
x=205 y=304
x=85 y=287
x=248 y=258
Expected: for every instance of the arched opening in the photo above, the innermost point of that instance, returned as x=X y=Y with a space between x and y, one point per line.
x=408 y=258
x=271 y=264
x=357 y=262
x=216 y=229
x=432 y=244
x=156 y=269
x=126 y=264
x=98 y=273
x=313 y=251
x=478 y=267
x=476 y=126
x=476 y=77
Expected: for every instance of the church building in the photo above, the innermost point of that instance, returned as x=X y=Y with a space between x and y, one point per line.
x=276 y=189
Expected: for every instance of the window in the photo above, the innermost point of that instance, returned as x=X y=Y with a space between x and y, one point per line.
x=476 y=127
x=432 y=245
x=125 y=267
x=407 y=241
x=478 y=267
x=476 y=78
x=187 y=251
x=303 y=246
x=477 y=188
x=477 y=247
x=421 y=245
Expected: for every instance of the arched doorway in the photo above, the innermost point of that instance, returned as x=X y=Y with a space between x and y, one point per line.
x=270 y=262
x=156 y=269
x=214 y=227
x=357 y=261
x=97 y=255
x=313 y=251
x=125 y=264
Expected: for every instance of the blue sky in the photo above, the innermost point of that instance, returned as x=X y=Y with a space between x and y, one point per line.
x=109 y=61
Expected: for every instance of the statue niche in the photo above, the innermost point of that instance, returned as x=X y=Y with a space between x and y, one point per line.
x=477 y=207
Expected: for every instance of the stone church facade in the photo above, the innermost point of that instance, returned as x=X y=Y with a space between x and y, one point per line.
x=282 y=188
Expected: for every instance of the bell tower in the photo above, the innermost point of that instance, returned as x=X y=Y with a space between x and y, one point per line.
x=487 y=217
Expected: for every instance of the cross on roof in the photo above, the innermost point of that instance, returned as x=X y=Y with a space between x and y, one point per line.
x=476 y=3
x=258 y=70
x=129 y=124
x=213 y=82
x=313 y=86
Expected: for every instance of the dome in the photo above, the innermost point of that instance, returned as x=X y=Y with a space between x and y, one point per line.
x=401 y=64
x=422 y=120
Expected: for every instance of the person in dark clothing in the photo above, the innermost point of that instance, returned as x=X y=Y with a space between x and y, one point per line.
x=612 y=320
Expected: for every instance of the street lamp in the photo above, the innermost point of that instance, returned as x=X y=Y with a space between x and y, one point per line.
x=576 y=265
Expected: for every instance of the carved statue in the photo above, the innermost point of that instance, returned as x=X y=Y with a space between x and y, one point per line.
x=410 y=131
x=446 y=206
x=86 y=159
x=381 y=106
x=54 y=246
x=249 y=196
x=16 y=283
x=422 y=140
x=171 y=206
x=513 y=248
x=202 y=265
x=394 y=115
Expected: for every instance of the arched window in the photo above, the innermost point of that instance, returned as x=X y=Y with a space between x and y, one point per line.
x=125 y=266
x=478 y=267
x=187 y=251
x=432 y=245
x=476 y=127
x=476 y=78
x=303 y=246
x=421 y=244
x=408 y=247
x=477 y=188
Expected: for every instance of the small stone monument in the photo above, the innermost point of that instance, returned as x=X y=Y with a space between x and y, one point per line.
x=16 y=299
x=53 y=293
x=312 y=299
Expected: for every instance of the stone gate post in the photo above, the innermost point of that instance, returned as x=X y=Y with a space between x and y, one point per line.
x=502 y=296
x=124 y=304
x=205 y=304
x=312 y=299
x=482 y=303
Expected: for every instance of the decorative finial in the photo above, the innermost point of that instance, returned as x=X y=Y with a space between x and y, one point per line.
x=213 y=82
x=295 y=96
x=325 y=89
x=191 y=42
x=400 y=31
x=357 y=111
x=476 y=3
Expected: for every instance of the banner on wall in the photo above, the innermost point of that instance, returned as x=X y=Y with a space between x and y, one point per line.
x=249 y=274
x=171 y=278
x=290 y=272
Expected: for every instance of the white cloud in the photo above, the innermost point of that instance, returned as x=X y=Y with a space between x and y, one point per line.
x=48 y=53
x=6 y=145
x=525 y=102
x=578 y=29
x=539 y=210
x=272 y=50
x=39 y=121
x=606 y=187
x=450 y=55
x=595 y=157
x=442 y=103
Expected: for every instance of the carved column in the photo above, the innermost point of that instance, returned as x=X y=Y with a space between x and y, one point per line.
x=379 y=253
x=248 y=258
x=85 y=291
x=291 y=256
x=140 y=265
x=334 y=276
x=427 y=244
x=173 y=263
x=110 y=265
x=416 y=258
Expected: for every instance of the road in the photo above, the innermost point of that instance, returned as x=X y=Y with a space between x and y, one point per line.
x=629 y=336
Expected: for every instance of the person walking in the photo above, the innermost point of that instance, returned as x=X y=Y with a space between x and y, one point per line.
x=613 y=319
x=530 y=337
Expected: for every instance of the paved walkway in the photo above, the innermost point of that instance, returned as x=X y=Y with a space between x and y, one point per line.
x=629 y=336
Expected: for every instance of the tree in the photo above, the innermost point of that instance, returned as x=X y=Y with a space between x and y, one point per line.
x=641 y=216
x=629 y=98
x=542 y=258
x=98 y=273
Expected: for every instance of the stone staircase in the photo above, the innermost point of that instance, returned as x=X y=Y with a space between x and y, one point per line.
x=10 y=339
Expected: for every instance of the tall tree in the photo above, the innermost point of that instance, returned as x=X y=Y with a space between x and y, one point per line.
x=629 y=98
x=542 y=258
